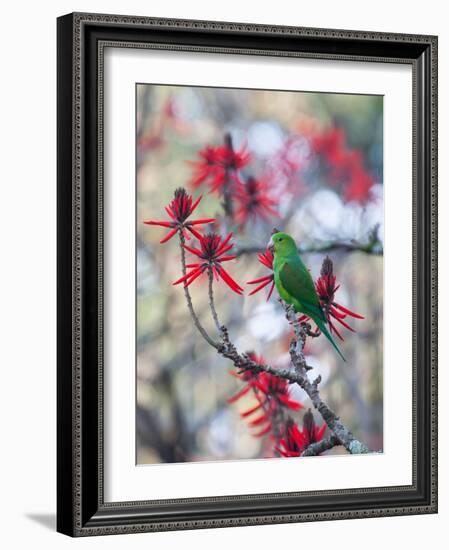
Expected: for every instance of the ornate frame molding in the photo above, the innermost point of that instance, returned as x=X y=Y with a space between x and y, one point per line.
x=81 y=41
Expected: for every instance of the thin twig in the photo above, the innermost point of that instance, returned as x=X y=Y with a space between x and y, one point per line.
x=196 y=321
x=211 y=298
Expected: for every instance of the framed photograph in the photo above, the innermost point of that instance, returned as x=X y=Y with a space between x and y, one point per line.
x=247 y=278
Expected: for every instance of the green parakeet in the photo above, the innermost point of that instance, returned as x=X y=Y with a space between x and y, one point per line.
x=295 y=284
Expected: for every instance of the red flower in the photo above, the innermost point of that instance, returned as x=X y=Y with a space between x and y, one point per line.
x=266 y=259
x=179 y=209
x=331 y=145
x=217 y=163
x=345 y=165
x=212 y=253
x=150 y=141
x=359 y=182
x=272 y=394
x=311 y=432
x=295 y=441
x=153 y=137
x=229 y=158
x=207 y=168
x=247 y=376
x=292 y=444
x=289 y=159
x=276 y=390
x=254 y=201
x=326 y=287
x=284 y=170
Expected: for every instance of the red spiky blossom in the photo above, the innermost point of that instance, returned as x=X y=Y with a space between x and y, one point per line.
x=150 y=141
x=359 y=181
x=266 y=259
x=272 y=394
x=290 y=158
x=295 y=441
x=284 y=168
x=206 y=169
x=292 y=444
x=247 y=376
x=311 y=432
x=331 y=145
x=217 y=165
x=254 y=201
x=276 y=390
x=326 y=287
x=179 y=209
x=212 y=253
x=153 y=137
x=345 y=165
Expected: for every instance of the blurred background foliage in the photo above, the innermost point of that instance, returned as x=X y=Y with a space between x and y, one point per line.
x=320 y=155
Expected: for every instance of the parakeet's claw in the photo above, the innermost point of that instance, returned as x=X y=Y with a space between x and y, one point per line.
x=307 y=327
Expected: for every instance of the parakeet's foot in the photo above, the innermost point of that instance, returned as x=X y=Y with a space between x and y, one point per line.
x=307 y=327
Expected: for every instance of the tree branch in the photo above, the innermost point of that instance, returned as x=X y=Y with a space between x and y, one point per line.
x=372 y=246
x=319 y=248
x=334 y=423
x=319 y=447
x=299 y=376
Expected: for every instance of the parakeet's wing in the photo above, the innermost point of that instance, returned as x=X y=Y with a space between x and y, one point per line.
x=297 y=281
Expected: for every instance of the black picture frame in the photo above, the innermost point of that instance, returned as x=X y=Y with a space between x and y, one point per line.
x=81 y=509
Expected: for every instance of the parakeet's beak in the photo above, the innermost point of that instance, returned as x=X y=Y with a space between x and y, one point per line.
x=270 y=245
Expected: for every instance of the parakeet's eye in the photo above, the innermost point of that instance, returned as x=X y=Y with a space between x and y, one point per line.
x=280 y=239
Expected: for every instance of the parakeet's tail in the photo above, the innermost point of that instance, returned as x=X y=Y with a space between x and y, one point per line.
x=328 y=335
